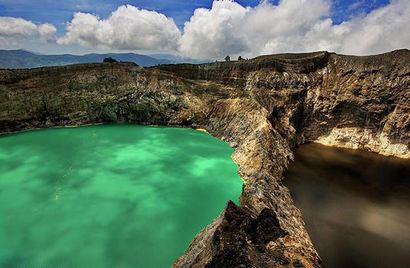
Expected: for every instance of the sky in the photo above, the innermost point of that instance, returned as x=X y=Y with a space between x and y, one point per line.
x=205 y=29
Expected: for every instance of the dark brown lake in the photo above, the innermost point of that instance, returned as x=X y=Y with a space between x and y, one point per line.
x=356 y=205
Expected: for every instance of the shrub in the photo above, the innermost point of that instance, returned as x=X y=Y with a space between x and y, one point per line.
x=110 y=60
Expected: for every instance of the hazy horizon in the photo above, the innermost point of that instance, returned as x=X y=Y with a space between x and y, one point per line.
x=205 y=29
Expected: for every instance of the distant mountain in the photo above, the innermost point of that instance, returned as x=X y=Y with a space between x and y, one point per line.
x=18 y=59
x=177 y=59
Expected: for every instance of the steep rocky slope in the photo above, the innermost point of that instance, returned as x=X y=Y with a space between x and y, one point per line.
x=263 y=107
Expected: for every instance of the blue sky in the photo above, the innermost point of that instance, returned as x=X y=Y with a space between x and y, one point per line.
x=60 y=12
x=237 y=27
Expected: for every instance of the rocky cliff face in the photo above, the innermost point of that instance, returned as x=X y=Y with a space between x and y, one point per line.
x=263 y=107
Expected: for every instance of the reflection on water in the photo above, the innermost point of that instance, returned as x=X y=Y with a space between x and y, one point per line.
x=356 y=205
x=109 y=196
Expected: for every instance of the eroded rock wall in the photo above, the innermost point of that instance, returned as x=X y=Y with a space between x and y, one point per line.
x=263 y=107
x=363 y=103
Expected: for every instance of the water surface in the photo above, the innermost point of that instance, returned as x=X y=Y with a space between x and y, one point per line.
x=356 y=205
x=109 y=196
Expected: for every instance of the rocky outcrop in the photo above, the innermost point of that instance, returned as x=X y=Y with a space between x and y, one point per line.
x=364 y=102
x=263 y=107
x=240 y=239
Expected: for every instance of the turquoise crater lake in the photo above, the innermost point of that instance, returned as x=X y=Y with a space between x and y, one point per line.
x=109 y=196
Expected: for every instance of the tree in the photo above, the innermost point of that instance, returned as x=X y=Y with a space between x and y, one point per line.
x=227 y=58
x=110 y=60
x=240 y=58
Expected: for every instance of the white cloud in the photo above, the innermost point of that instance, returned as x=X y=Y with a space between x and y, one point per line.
x=382 y=30
x=292 y=26
x=228 y=28
x=213 y=33
x=128 y=28
x=14 y=30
